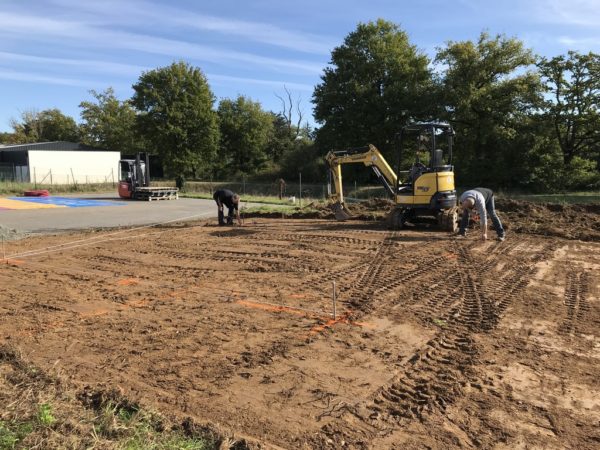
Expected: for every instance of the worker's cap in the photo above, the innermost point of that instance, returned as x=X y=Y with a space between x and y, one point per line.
x=468 y=203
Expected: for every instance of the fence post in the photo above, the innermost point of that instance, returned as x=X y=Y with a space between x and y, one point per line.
x=300 y=173
x=34 y=178
x=50 y=177
x=112 y=174
x=72 y=175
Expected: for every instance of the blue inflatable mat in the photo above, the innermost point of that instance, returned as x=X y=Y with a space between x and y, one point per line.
x=68 y=202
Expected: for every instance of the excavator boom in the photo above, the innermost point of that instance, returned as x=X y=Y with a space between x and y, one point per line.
x=370 y=156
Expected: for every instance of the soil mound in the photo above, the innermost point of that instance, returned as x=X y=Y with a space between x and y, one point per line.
x=577 y=221
x=551 y=219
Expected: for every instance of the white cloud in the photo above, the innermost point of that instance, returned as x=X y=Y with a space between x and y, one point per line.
x=584 y=43
x=75 y=33
x=222 y=79
x=96 y=66
x=572 y=12
x=7 y=74
x=87 y=65
x=145 y=13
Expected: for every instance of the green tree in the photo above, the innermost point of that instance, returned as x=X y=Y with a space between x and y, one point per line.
x=7 y=138
x=109 y=123
x=377 y=81
x=246 y=131
x=488 y=94
x=573 y=85
x=281 y=140
x=176 y=117
x=45 y=126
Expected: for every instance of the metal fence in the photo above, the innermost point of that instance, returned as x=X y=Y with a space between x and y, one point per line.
x=293 y=189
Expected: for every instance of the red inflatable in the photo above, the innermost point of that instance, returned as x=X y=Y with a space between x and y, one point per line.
x=37 y=193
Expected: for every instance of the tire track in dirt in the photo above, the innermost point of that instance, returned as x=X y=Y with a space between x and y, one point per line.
x=352 y=242
x=437 y=374
x=576 y=290
x=359 y=294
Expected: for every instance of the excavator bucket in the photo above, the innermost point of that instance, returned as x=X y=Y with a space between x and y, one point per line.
x=340 y=211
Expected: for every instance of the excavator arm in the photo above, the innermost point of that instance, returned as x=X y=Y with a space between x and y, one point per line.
x=370 y=157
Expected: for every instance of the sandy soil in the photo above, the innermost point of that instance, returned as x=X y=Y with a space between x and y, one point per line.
x=436 y=342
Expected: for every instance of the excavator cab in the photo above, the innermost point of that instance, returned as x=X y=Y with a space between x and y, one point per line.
x=425 y=175
x=424 y=149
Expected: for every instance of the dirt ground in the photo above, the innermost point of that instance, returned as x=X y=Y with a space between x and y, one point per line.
x=436 y=342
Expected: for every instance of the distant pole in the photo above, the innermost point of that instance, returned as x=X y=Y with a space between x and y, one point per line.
x=300 y=173
x=51 y=177
x=112 y=175
x=73 y=176
x=34 y=178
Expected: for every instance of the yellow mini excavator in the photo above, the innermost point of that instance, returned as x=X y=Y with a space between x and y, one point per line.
x=426 y=189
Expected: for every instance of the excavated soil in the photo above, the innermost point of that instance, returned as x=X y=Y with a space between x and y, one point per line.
x=436 y=342
x=580 y=222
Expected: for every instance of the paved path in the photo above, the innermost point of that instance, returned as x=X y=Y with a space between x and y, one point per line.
x=133 y=213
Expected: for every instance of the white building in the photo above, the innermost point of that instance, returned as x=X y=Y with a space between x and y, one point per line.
x=58 y=163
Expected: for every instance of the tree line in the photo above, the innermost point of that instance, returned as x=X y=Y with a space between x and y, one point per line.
x=522 y=121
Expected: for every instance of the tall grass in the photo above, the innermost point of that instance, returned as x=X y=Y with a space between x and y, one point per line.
x=14 y=188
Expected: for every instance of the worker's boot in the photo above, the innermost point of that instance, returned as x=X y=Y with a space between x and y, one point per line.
x=229 y=220
x=221 y=218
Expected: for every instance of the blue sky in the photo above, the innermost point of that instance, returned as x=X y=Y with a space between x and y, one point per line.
x=52 y=52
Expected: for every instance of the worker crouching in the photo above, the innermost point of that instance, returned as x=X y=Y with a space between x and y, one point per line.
x=225 y=197
x=481 y=199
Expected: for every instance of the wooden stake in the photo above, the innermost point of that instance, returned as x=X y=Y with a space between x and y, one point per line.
x=334 y=312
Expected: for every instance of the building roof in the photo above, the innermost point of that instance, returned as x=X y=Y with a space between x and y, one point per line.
x=51 y=146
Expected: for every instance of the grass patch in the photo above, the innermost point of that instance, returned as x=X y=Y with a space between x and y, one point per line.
x=269 y=209
x=42 y=411
x=11 y=188
x=440 y=323
x=11 y=433
x=266 y=199
x=132 y=428
x=45 y=416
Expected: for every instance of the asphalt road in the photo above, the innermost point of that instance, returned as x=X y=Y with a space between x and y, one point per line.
x=130 y=213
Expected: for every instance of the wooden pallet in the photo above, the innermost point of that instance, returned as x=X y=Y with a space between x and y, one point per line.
x=156 y=193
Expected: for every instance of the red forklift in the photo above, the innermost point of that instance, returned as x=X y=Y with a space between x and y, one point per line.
x=134 y=181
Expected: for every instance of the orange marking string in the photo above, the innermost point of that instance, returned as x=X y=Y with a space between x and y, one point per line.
x=128 y=282
x=275 y=308
x=13 y=262
x=345 y=318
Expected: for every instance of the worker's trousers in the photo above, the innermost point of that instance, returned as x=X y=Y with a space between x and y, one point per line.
x=229 y=217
